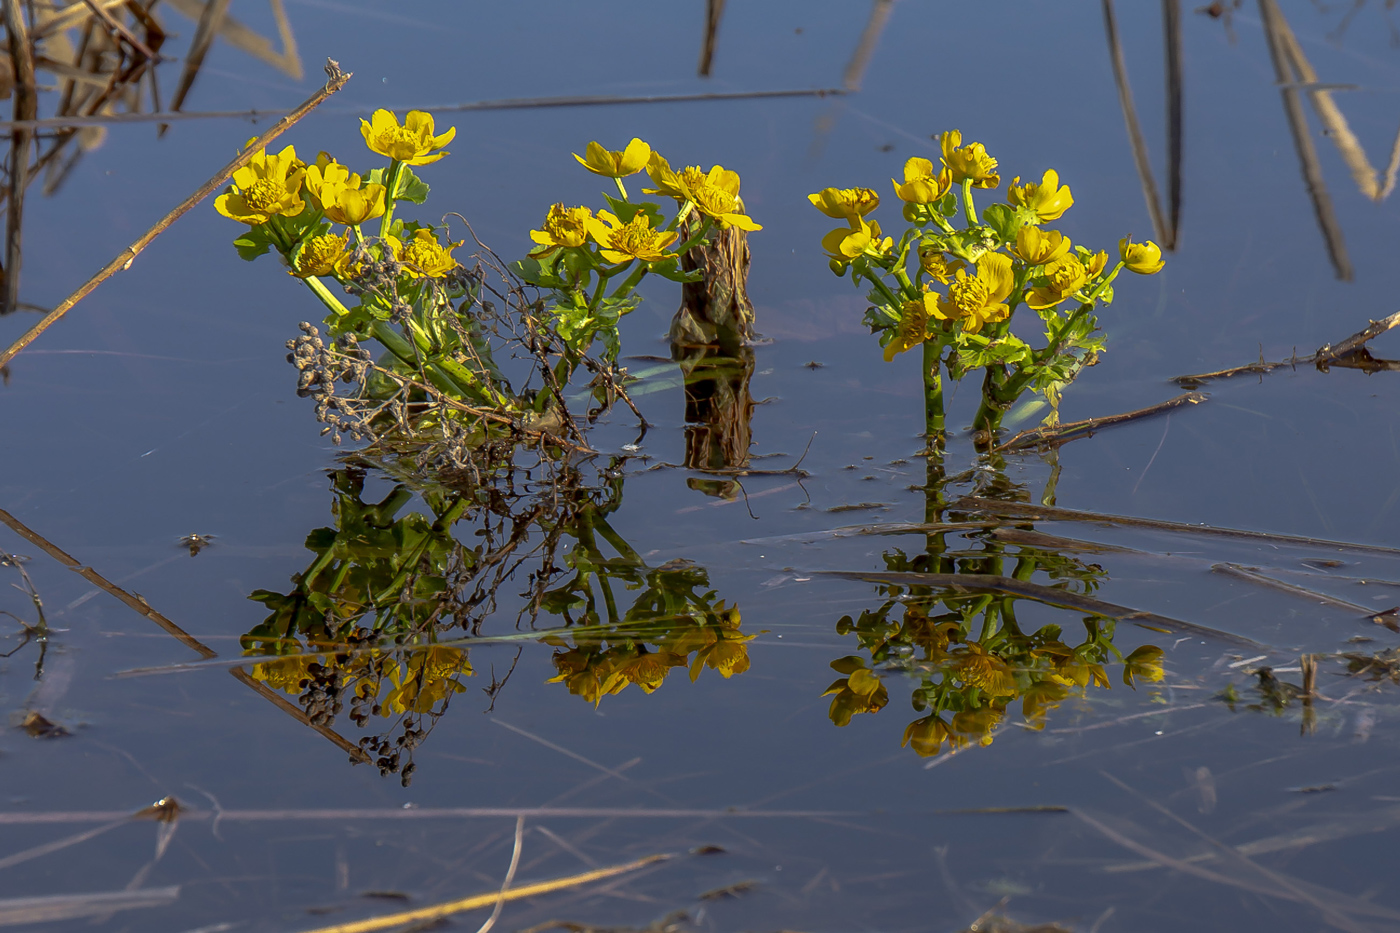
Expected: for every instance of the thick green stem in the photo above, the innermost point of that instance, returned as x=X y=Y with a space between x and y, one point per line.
x=969 y=211
x=391 y=191
x=933 y=394
x=621 y=189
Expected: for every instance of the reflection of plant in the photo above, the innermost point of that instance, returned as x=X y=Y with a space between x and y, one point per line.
x=967 y=282
x=970 y=654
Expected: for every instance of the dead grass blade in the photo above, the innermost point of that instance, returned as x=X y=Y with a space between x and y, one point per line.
x=1025 y=510
x=1051 y=436
x=440 y=911
x=1135 y=137
x=991 y=583
x=335 y=81
x=1245 y=573
x=26 y=107
x=248 y=41
x=204 y=34
x=17 y=910
x=59 y=844
x=436 y=813
x=865 y=48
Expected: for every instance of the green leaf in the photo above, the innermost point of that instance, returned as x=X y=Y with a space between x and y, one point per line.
x=948 y=204
x=671 y=269
x=411 y=188
x=253 y=243
x=1003 y=220
x=626 y=210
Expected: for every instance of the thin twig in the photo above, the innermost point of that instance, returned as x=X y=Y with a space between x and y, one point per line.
x=1326 y=355
x=510 y=876
x=1056 y=434
x=1245 y=573
x=120 y=29
x=26 y=107
x=124 y=259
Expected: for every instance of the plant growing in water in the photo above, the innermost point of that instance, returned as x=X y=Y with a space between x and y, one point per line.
x=952 y=282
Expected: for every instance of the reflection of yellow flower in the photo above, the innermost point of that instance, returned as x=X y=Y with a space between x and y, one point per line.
x=921 y=184
x=413 y=143
x=267 y=186
x=913 y=325
x=1079 y=673
x=1145 y=663
x=1142 y=258
x=977 y=724
x=338 y=192
x=286 y=674
x=646 y=669
x=859 y=692
x=714 y=193
x=1047 y=199
x=926 y=736
x=1063 y=277
x=1039 y=698
x=632 y=240
x=845 y=203
x=565 y=227
x=969 y=162
x=423 y=257
x=1037 y=246
x=933 y=262
x=583 y=673
x=322 y=255
x=987 y=672
x=976 y=300
x=845 y=244
x=426 y=678
x=602 y=161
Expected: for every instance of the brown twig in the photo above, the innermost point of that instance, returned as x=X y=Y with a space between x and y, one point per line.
x=1130 y=120
x=26 y=107
x=1347 y=354
x=204 y=35
x=336 y=80
x=1056 y=434
x=1030 y=512
x=992 y=583
x=120 y=29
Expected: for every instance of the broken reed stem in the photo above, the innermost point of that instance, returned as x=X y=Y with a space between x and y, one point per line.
x=26 y=107
x=1063 y=433
x=335 y=81
x=510 y=876
x=478 y=901
x=1327 y=353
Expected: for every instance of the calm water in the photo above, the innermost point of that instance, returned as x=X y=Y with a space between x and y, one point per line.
x=162 y=407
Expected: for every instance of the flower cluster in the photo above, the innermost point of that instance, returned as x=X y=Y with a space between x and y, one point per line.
x=579 y=253
x=954 y=289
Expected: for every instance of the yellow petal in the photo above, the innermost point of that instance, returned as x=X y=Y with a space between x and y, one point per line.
x=634 y=157
x=995 y=270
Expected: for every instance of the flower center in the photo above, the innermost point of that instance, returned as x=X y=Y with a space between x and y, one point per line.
x=1066 y=275
x=969 y=295
x=323 y=249
x=424 y=254
x=566 y=226
x=264 y=194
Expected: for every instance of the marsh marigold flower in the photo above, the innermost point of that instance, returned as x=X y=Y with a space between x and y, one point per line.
x=322 y=255
x=1037 y=246
x=1047 y=199
x=423 y=256
x=714 y=193
x=912 y=329
x=969 y=162
x=921 y=184
x=412 y=143
x=1142 y=258
x=926 y=736
x=564 y=228
x=602 y=161
x=936 y=265
x=850 y=204
x=267 y=186
x=1063 y=277
x=976 y=300
x=844 y=244
x=635 y=239
x=1145 y=663
x=338 y=192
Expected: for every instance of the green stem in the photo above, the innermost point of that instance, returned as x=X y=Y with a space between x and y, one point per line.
x=933 y=395
x=969 y=211
x=631 y=282
x=391 y=191
x=695 y=239
x=894 y=300
x=603 y=278
x=681 y=215
x=322 y=292
x=620 y=188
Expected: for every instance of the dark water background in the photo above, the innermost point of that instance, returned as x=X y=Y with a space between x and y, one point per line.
x=162 y=406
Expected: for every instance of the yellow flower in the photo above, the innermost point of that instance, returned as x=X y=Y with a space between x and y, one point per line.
x=565 y=227
x=976 y=300
x=338 y=192
x=1142 y=258
x=844 y=244
x=1063 y=277
x=424 y=257
x=267 y=186
x=714 y=193
x=936 y=265
x=1047 y=199
x=629 y=161
x=926 y=736
x=1041 y=697
x=427 y=678
x=845 y=203
x=921 y=185
x=969 y=162
x=913 y=325
x=322 y=255
x=646 y=669
x=1077 y=673
x=632 y=240
x=413 y=143
x=977 y=724
x=1037 y=246
x=287 y=674
x=861 y=692
x=583 y=674
x=1144 y=662
x=1095 y=263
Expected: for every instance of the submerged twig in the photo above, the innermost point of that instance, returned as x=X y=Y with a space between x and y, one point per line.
x=1056 y=434
x=335 y=81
